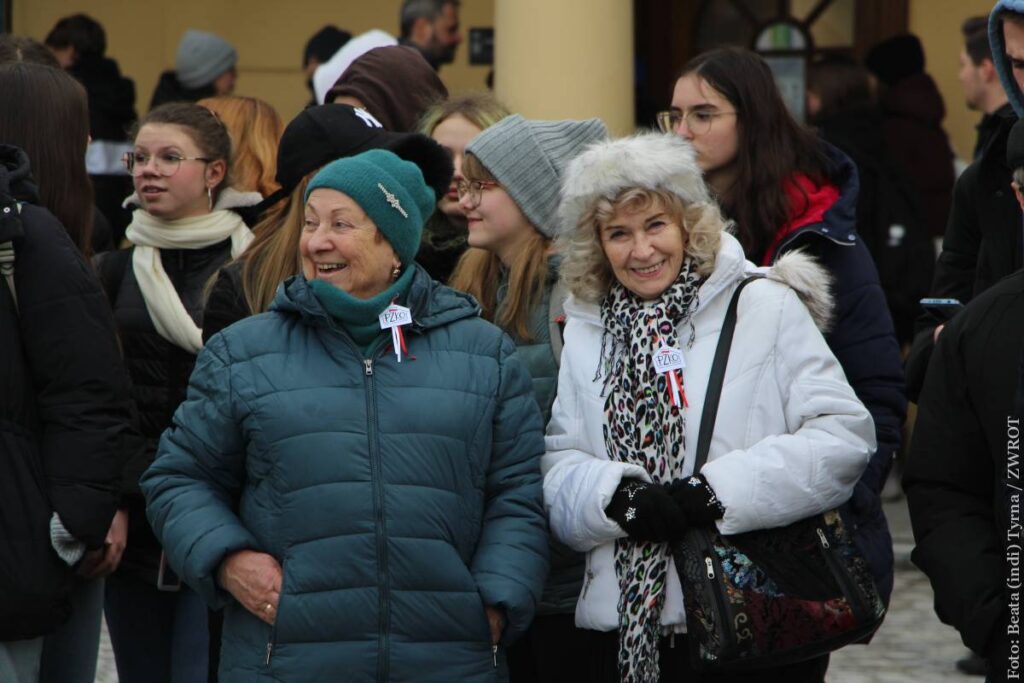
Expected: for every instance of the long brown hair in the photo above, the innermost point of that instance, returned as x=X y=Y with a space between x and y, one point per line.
x=45 y=112
x=256 y=130
x=273 y=254
x=772 y=145
x=479 y=271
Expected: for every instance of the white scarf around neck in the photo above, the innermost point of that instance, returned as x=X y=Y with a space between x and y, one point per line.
x=150 y=234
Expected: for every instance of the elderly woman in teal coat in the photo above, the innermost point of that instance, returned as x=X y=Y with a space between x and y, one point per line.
x=354 y=476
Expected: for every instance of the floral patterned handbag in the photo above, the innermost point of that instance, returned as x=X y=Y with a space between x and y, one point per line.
x=775 y=596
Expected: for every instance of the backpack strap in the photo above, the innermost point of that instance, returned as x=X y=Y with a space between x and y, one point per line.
x=556 y=319
x=7 y=263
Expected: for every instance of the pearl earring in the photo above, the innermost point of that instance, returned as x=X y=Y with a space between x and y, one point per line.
x=395 y=273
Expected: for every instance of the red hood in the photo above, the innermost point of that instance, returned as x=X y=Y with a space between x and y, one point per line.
x=809 y=202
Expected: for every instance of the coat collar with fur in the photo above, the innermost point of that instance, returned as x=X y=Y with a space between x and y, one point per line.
x=795 y=269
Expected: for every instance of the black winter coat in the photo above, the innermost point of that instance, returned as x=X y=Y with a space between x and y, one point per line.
x=65 y=414
x=111 y=97
x=982 y=243
x=170 y=89
x=964 y=454
x=913 y=111
x=159 y=370
x=889 y=220
x=864 y=342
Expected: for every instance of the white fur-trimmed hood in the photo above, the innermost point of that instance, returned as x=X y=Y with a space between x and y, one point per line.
x=645 y=160
x=802 y=273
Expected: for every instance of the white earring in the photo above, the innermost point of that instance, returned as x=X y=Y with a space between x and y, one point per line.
x=209 y=197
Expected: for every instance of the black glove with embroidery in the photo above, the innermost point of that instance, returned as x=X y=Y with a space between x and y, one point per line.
x=646 y=512
x=697 y=500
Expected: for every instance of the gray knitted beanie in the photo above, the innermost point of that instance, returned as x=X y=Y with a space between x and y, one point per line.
x=528 y=158
x=202 y=57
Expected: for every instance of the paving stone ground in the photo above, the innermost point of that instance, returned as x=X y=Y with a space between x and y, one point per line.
x=911 y=646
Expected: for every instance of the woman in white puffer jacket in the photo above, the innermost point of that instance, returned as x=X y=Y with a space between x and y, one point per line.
x=650 y=266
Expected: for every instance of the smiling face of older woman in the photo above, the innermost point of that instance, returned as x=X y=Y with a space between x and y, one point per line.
x=342 y=246
x=644 y=246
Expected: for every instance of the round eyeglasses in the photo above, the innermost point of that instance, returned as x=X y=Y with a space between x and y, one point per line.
x=698 y=121
x=165 y=165
x=474 y=189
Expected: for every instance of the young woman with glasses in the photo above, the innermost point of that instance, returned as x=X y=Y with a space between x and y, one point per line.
x=183 y=229
x=787 y=190
x=509 y=194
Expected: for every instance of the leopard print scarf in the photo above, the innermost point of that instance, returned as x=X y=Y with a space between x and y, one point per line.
x=643 y=427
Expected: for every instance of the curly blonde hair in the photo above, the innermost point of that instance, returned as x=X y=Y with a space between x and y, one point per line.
x=585 y=269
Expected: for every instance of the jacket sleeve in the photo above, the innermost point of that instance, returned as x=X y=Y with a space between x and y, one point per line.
x=814 y=467
x=226 y=303
x=864 y=343
x=578 y=484
x=949 y=484
x=198 y=473
x=81 y=386
x=511 y=560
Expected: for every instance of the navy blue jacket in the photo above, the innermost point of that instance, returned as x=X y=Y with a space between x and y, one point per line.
x=864 y=341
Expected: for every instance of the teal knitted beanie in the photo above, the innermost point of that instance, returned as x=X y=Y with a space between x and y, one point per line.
x=389 y=189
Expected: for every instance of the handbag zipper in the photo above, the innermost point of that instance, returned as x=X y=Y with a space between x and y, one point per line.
x=724 y=631
x=850 y=592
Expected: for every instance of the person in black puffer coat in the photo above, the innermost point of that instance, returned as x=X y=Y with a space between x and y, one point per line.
x=65 y=419
x=182 y=232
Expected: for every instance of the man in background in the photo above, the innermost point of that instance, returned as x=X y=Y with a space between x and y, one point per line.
x=432 y=27
x=982 y=90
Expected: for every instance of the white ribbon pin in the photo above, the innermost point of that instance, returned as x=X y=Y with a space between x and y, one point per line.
x=393 y=318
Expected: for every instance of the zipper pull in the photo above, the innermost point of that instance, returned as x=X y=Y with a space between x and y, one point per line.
x=270 y=648
x=368 y=363
x=586 y=584
x=824 y=541
x=494 y=655
x=710 y=567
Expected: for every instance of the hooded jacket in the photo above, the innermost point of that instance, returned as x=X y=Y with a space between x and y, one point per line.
x=863 y=340
x=982 y=243
x=65 y=417
x=791 y=441
x=400 y=498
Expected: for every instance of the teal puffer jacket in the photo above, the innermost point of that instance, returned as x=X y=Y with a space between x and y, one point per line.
x=399 y=498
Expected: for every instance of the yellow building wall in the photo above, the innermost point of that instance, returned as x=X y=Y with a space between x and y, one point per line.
x=937 y=24
x=269 y=37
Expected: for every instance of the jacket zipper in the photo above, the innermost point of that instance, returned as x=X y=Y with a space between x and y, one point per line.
x=850 y=592
x=586 y=583
x=273 y=627
x=378 y=504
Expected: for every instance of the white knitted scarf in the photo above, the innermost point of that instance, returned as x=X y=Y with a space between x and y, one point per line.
x=149 y=235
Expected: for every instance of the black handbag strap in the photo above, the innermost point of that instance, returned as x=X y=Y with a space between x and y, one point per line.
x=717 y=377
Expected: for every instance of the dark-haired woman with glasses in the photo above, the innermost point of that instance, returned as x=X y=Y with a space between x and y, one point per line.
x=509 y=194
x=786 y=190
x=184 y=227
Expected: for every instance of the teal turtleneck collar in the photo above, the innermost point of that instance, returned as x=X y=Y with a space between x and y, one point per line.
x=358 y=317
